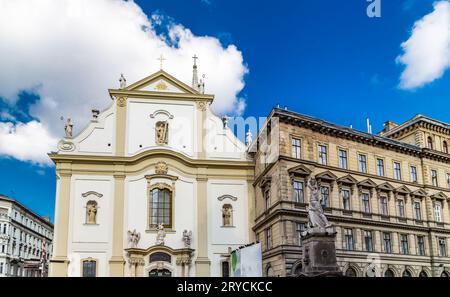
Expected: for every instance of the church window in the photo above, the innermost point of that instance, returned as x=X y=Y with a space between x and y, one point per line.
x=89 y=268
x=161 y=208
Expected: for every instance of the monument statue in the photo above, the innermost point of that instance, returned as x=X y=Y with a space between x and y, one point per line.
x=187 y=238
x=317 y=221
x=133 y=238
x=160 y=235
x=68 y=127
x=162 y=132
x=91 y=212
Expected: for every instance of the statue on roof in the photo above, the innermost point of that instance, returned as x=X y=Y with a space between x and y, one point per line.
x=123 y=82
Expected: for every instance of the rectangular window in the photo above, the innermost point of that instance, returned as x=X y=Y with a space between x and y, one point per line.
x=1 y=268
x=300 y=228
x=413 y=174
x=348 y=233
x=434 y=178
x=365 y=203
x=417 y=210
x=323 y=154
x=437 y=212
x=397 y=171
x=421 y=245
x=387 y=242
x=401 y=208
x=448 y=180
x=296 y=148
x=362 y=163
x=269 y=238
x=404 y=244
x=89 y=268
x=343 y=159
x=325 y=193
x=299 y=195
x=161 y=208
x=267 y=199
x=368 y=241
x=442 y=247
x=380 y=167
x=346 y=199
x=384 y=206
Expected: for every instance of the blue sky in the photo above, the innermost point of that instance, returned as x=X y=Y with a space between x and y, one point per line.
x=322 y=58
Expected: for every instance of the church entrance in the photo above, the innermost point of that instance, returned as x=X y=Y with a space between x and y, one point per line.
x=160 y=273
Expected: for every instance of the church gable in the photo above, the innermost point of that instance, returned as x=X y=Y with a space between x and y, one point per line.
x=161 y=81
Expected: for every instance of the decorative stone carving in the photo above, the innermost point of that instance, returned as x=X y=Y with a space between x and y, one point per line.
x=95 y=114
x=92 y=193
x=227 y=211
x=164 y=112
x=161 y=86
x=202 y=105
x=136 y=261
x=161 y=235
x=68 y=128
x=162 y=131
x=122 y=82
x=248 y=138
x=317 y=221
x=223 y=197
x=187 y=238
x=161 y=168
x=66 y=146
x=121 y=101
x=133 y=238
x=91 y=213
x=184 y=260
x=225 y=121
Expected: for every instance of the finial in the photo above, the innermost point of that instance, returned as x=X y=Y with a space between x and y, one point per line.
x=225 y=121
x=95 y=114
x=195 y=60
x=68 y=127
x=122 y=81
x=161 y=61
x=195 y=84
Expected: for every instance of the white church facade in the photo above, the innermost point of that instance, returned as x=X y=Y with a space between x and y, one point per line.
x=156 y=184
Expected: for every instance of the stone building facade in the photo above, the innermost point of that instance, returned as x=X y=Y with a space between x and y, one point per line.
x=25 y=240
x=387 y=195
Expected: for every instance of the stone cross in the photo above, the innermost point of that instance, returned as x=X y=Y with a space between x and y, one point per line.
x=161 y=61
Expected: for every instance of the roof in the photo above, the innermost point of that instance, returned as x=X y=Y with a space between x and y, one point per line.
x=14 y=201
x=416 y=119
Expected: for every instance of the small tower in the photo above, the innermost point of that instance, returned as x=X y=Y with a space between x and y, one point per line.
x=195 y=84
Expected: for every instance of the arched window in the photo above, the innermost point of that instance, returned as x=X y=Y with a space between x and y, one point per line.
x=445 y=147
x=389 y=273
x=269 y=271
x=160 y=207
x=430 y=142
x=91 y=212
x=350 y=272
x=423 y=274
x=89 y=267
x=227 y=215
x=160 y=257
x=406 y=273
x=445 y=274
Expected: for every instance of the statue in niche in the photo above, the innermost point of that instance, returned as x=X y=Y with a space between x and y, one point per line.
x=160 y=235
x=162 y=131
x=226 y=215
x=133 y=238
x=68 y=128
x=91 y=213
x=316 y=217
x=187 y=238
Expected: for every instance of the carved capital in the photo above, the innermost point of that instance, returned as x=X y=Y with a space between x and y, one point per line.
x=202 y=105
x=122 y=101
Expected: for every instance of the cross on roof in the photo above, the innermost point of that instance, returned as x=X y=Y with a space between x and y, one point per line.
x=161 y=60
x=195 y=59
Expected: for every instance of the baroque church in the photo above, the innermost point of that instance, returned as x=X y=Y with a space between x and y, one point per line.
x=155 y=185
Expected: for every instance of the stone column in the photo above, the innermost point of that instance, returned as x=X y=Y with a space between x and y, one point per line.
x=59 y=262
x=116 y=263
x=202 y=263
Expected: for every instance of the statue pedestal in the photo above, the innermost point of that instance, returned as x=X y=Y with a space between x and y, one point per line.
x=319 y=254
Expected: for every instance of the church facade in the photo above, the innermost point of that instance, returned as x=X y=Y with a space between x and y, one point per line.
x=155 y=185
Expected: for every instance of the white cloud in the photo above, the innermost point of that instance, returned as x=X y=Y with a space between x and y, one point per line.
x=26 y=142
x=69 y=52
x=427 y=51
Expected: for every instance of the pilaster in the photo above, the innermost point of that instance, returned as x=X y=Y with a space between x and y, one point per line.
x=117 y=262
x=202 y=263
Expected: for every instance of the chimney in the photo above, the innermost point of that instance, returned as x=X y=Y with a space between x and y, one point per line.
x=389 y=125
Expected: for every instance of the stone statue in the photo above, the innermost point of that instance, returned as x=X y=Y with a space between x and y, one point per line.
x=162 y=132
x=91 y=212
x=248 y=138
x=226 y=215
x=225 y=121
x=187 y=238
x=161 y=235
x=123 y=82
x=68 y=127
x=316 y=218
x=133 y=238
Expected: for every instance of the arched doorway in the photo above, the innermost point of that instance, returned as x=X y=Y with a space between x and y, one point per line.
x=389 y=273
x=160 y=273
x=406 y=273
x=445 y=274
x=350 y=272
x=423 y=274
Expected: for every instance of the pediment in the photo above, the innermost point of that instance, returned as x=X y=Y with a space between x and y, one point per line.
x=439 y=195
x=348 y=179
x=162 y=82
x=385 y=187
x=300 y=170
x=327 y=175
x=419 y=193
x=403 y=190
x=367 y=183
